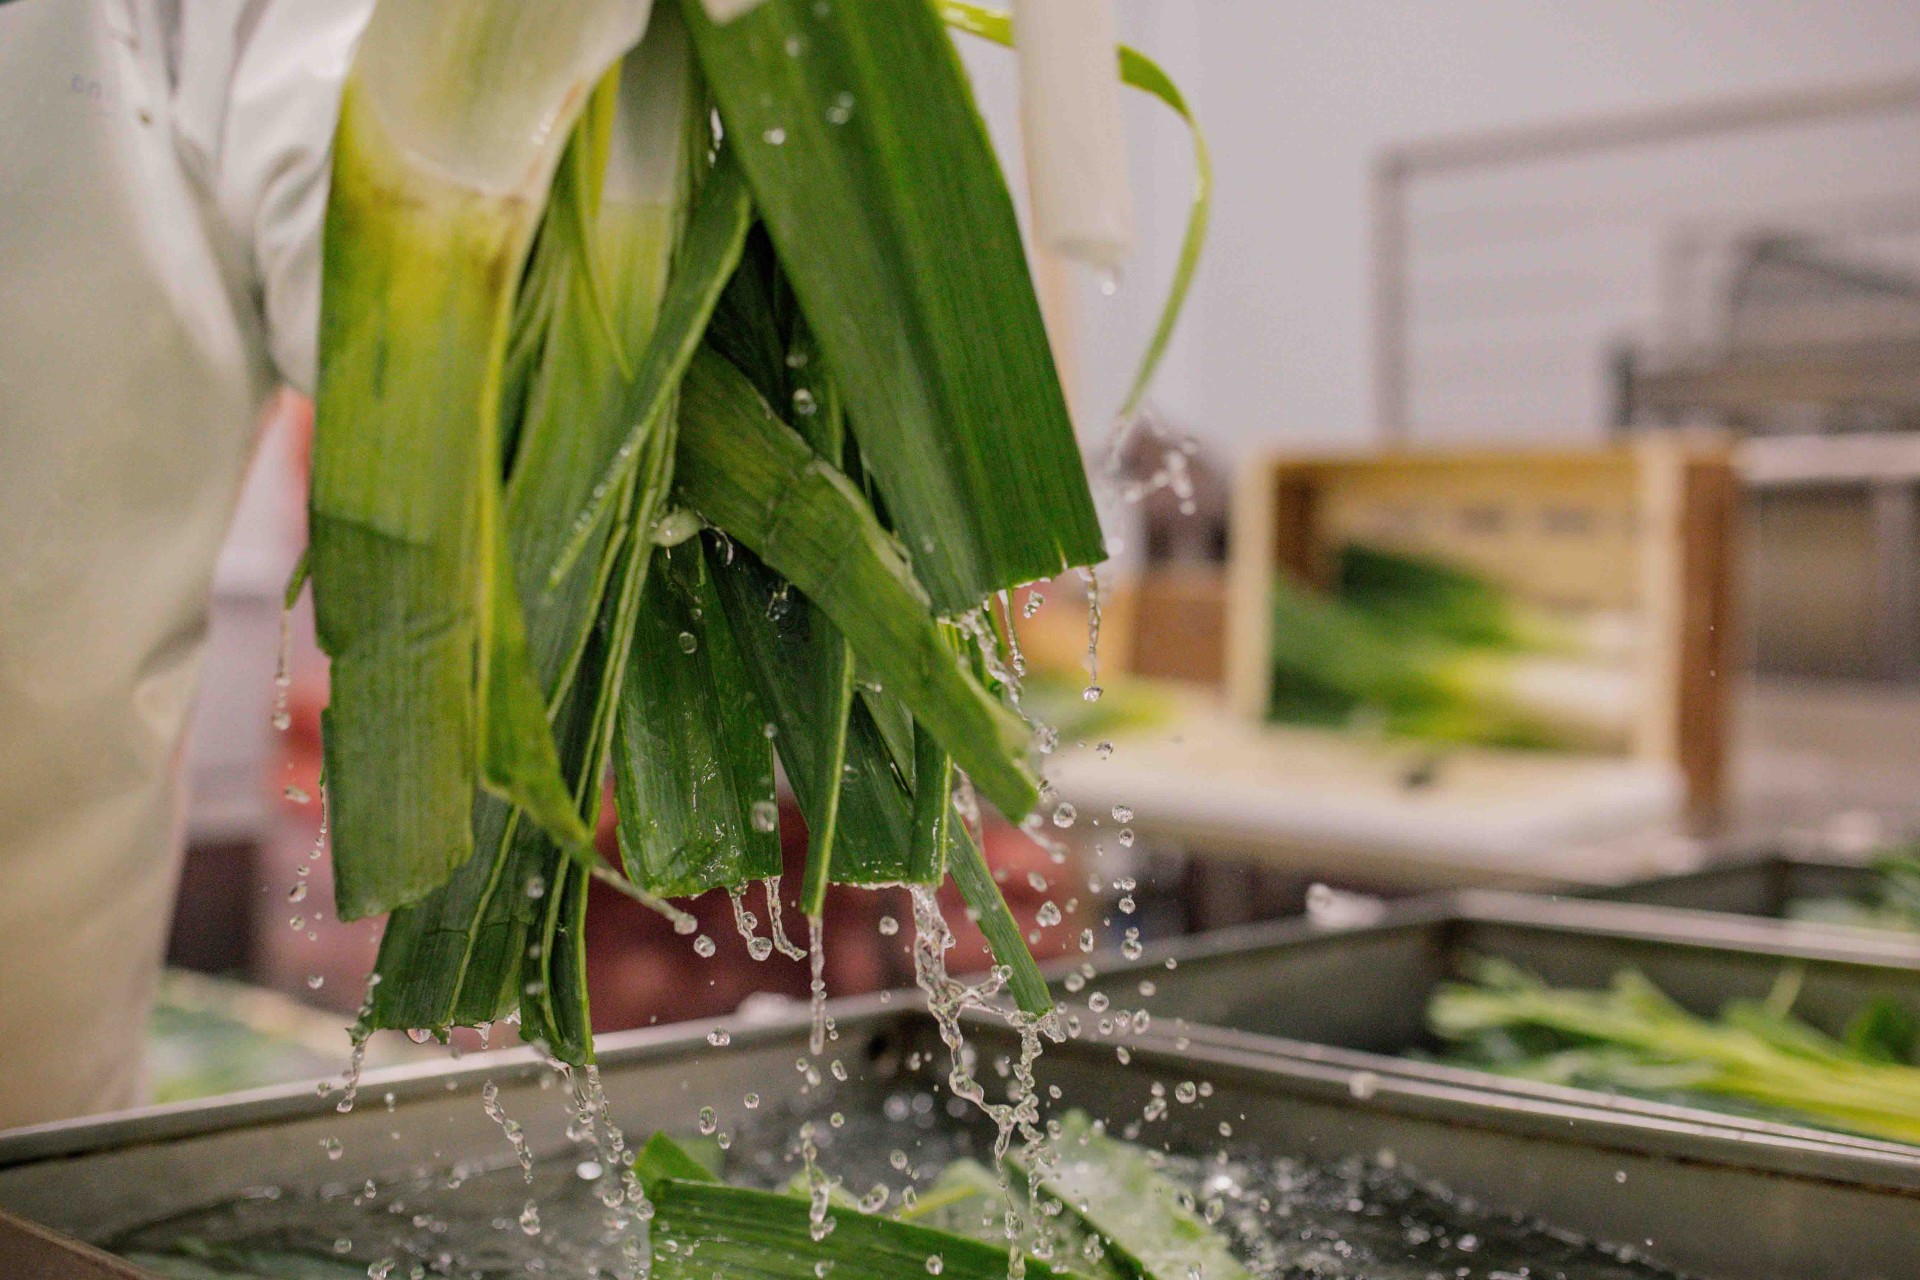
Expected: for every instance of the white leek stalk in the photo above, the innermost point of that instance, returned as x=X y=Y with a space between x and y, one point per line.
x=728 y=10
x=451 y=124
x=1071 y=129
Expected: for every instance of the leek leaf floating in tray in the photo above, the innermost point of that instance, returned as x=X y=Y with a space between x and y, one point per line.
x=681 y=384
x=1108 y=1214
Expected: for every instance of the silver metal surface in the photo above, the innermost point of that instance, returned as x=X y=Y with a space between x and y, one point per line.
x=1711 y=1200
x=1760 y=886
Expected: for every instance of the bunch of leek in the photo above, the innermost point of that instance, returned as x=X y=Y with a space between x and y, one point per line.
x=1755 y=1056
x=1431 y=651
x=1103 y=1211
x=676 y=395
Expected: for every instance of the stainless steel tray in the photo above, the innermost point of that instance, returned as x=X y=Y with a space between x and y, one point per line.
x=1760 y=886
x=1711 y=1200
x=1357 y=997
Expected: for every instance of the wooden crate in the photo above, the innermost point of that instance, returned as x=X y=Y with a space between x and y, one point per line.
x=1642 y=530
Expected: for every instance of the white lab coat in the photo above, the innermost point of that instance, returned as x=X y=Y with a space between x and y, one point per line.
x=162 y=178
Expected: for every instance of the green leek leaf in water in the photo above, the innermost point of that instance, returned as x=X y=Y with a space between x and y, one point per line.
x=1113 y=1189
x=703 y=1228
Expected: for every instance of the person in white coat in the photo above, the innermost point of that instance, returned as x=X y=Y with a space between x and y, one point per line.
x=163 y=168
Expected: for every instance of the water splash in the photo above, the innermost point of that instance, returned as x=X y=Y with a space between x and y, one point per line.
x=320 y=836
x=283 y=674
x=746 y=922
x=628 y=1209
x=1015 y=658
x=817 y=984
x=977 y=625
x=781 y=943
x=361 y=1031
x=948 y=999
x=819 y=1187
x=1092 y=577
x=516 y=1137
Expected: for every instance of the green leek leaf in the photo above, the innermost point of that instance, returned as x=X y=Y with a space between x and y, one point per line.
x=974 y=879
x=693 y=769
x=856 y=809
x=438 y=181
x=1144 y=1217
x=702 y=1228
x=874 y=175
x=750 y=474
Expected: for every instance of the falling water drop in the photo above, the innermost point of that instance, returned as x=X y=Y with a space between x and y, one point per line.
x=283 y=674
x=817 y=983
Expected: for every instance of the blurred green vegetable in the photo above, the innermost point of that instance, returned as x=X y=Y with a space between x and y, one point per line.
x=1633 y=1038
x=1419 y=648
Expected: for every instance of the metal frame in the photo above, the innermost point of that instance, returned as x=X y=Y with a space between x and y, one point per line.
x=1716 y=1200
x=1397 y=166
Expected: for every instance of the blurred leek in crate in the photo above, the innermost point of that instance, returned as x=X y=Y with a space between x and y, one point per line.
x=1428 y=650
x=676 y=400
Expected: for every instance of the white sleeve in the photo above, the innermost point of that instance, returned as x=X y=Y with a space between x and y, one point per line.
x=256 y=97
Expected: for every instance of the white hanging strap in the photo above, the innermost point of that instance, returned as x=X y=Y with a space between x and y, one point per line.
x=728 y=10
x=1070 y=125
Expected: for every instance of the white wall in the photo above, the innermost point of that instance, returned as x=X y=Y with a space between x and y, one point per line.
x=1297 y=96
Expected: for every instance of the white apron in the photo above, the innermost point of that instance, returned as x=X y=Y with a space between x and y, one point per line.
x=162 y=168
